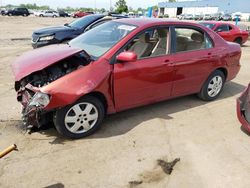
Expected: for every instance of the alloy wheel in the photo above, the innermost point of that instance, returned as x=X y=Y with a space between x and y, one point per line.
x=81 y=117
x=215 y=86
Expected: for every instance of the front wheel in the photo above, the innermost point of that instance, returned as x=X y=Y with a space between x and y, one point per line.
x=80 y=119
x=213 y=86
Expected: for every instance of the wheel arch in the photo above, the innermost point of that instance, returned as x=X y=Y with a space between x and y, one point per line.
x=224 y=71
x=99 y=96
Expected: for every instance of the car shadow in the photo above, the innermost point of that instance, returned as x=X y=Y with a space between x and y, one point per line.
x=244 y=131
x=244 y=45
x=122 y=122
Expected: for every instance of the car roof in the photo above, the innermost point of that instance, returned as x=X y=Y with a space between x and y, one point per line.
x=154 y=21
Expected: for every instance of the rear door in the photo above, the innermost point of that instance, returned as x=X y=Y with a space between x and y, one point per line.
x=149 y=79
x=193 y=59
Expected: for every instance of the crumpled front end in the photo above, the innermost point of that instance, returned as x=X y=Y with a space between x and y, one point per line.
x=30 y=83
x=33 y=102
x=243 y=109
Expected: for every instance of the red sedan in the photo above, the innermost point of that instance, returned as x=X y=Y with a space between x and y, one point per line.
x=243 y=109
x=80 y=14
x=119 y=65
x=228 y=31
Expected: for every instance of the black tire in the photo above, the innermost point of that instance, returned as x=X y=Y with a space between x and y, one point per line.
x=204 y=93
x=238 y=40
x=40 y=15
x=59 y=118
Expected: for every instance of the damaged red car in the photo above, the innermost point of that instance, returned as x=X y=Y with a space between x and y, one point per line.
x=243 y=109
x=119 y=65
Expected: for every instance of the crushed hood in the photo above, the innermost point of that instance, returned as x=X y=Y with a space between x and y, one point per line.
x=41 y=58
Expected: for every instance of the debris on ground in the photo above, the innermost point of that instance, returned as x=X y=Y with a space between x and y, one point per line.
x=8 y=150
x=167 y=167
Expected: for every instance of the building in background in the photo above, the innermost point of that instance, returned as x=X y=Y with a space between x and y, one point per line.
x=205 y=7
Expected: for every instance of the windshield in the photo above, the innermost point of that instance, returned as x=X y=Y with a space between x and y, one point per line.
x=99 y=40
x=209 y=25
x=84 y=22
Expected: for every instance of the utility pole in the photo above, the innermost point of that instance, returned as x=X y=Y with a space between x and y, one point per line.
x=110 y=5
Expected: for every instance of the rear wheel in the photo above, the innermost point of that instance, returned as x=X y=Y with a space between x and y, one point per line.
x=80 y=119
x=213 y=86
x=238 y=40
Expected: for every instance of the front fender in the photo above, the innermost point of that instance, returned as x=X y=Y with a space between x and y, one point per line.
x=69 y=88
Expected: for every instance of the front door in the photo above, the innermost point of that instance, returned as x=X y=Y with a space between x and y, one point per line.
x=149 y=79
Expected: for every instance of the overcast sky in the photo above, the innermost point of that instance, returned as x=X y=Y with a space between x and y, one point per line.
x=83 y=3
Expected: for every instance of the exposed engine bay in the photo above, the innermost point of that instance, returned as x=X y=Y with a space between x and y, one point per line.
x=55 y=71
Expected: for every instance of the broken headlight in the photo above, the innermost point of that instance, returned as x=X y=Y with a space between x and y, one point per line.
x=40 y=100
x=47 y=38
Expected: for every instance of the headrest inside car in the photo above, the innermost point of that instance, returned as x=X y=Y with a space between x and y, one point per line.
x=145 y=37
x=197 y=37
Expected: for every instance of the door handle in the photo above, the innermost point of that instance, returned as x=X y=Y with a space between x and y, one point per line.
x=166 y=62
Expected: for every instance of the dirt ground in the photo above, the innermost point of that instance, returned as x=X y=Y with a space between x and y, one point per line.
x=213 y=150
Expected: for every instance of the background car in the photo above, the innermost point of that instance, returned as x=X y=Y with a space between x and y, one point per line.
x=3 y=12
x=120 y=65
x=62 y=34
x=227 y=17
x=243 y=109
x=198 y=17
x=207 y=17
x=63 y=14
x=188 y=17
x=18 y=12
x=48 y=13
x=228 y=31
x=80 y=14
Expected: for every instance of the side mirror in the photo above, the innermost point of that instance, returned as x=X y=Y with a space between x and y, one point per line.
x=127 y=57
x=66 y=24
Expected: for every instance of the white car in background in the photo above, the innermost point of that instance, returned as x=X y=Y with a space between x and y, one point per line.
x=47 y=13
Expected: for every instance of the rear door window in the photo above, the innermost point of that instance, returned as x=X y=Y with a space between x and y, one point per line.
x=189 y=39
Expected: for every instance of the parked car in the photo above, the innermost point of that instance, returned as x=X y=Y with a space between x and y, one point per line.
x=62 y=34
x=63 y=14
x=227 y=17
x=188 y=17
x=207 y=17
x=243 y=109
x=217 y=16
x=48 y=13
x=237 y=15
x=228 y=31
x=80 y=14
x=3 y=12
x=198 y=17
x=120 y=65
x=180 y=17
x=18 y=12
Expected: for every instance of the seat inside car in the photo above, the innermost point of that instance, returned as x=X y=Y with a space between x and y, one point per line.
x=143 y=46
x=197 y=42
x=161 y=46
